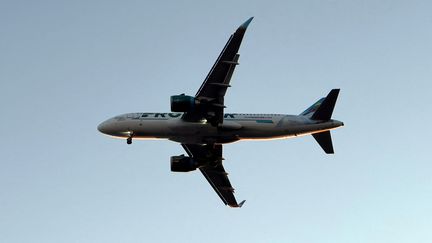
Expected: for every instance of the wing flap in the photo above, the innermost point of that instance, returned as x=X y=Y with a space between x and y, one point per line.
x=220 y=183
x=213 y=170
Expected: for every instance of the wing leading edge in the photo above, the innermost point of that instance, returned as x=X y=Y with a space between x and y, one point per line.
x=211 y=158
x=210 y=96
x=213 y=89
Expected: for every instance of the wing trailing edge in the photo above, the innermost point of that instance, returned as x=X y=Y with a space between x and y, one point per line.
x=213 y=171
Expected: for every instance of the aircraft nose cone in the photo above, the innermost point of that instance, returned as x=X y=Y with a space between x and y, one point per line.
x=104 y=127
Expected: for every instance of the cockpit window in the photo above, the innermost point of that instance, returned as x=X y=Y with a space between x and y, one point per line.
x=120 y=118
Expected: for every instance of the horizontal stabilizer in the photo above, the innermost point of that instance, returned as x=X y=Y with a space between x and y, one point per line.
x=325 y=110
x=325 y=141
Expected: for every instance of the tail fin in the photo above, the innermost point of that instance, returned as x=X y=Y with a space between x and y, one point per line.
x=325 y=110
x=311 y=110
x=322 y=110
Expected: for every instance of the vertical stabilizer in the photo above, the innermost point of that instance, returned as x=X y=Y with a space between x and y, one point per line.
x=313 y=108
x=325 y=110
x=322 y=111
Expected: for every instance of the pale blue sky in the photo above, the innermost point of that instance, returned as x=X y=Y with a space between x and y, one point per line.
x=65 y=66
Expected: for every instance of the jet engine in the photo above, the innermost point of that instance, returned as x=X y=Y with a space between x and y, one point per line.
x=183 y=103
x=183 y=164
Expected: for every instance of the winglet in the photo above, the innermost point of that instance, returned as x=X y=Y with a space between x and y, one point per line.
x=246 y=24
x=241 y=204
x=237 y=205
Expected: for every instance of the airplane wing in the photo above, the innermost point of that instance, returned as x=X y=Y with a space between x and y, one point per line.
x=210 y=156
x=213 y=89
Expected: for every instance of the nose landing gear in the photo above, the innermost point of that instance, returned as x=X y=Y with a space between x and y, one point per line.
x=129 y=139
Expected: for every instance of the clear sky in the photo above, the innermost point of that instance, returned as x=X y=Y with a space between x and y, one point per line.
x=65 y=66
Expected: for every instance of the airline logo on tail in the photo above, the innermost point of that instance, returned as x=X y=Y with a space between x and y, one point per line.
x=313 y=108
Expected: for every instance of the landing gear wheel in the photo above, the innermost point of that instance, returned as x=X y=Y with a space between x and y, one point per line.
x=129 y=140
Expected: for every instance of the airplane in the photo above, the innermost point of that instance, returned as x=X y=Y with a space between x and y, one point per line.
x=200 y=125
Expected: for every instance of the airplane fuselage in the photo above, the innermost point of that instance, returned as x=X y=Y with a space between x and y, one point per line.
x=235 y=127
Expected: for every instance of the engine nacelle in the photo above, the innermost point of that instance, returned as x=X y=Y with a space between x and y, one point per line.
x=183 y=103
x=183 y=164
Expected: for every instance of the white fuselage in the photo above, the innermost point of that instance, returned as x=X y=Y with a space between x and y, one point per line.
x=235 y=127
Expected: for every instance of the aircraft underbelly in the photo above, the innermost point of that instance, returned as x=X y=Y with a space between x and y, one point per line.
x=204 y=133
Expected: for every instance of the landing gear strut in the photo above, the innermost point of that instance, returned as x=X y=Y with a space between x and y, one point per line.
x=129 y=139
